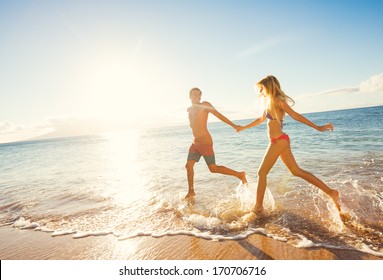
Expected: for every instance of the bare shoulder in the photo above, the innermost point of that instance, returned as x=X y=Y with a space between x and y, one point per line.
x=284 y=106
x=207 y=105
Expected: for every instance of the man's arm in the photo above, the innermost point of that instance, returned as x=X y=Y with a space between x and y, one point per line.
x=212 y=110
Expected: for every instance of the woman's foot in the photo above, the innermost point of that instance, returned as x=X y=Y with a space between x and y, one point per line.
x=258 y=209
x=335 y=197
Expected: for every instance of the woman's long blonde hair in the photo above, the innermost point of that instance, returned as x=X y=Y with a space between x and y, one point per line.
x=275 y=95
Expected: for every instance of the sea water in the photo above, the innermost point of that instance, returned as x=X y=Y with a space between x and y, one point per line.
x=133 y=183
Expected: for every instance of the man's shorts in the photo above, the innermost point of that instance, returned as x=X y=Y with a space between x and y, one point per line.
x=197 y=150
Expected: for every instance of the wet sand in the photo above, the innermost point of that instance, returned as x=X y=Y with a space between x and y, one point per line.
x=16 y=244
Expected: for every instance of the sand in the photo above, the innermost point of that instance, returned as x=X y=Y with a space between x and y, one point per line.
x=16 y=244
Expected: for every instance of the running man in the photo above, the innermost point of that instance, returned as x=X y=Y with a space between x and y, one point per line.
x=203 y=142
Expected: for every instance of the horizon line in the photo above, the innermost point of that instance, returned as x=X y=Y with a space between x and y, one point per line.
x=155 y=126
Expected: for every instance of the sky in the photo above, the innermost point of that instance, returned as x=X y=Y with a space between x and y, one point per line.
x=82 y=67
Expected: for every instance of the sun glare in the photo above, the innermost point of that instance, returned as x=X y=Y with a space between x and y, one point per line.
x=129 y=87
x=115 y=85
x=124 y=168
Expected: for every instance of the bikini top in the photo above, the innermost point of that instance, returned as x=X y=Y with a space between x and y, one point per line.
x=267 y=115
x=270 y=117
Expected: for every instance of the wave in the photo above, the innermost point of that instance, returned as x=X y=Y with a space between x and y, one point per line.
x=229 y=219
x=295 y=239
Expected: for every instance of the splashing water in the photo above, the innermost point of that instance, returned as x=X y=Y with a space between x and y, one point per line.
x=133 y=184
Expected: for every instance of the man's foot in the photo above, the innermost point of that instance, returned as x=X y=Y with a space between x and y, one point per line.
x=242 y=177
x=190 y=195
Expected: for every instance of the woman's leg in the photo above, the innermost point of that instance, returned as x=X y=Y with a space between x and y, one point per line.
x=269 y=159
x=289 y=160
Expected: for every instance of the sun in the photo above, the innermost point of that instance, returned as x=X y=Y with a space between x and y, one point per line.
x=114 y=87
x=132 y=86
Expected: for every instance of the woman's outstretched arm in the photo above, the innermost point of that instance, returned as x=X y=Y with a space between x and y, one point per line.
x=298 y=117
x=252 y=124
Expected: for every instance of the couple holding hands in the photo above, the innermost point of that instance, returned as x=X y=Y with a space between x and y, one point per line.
x=279 y=146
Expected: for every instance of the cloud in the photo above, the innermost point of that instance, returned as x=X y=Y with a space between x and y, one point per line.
x=67 y=126
x=71 y=28
x=373 y=84
x=368 y=93
x=52 y=127
x=264 y=45
x=11 y=132
x=338 y=91
x=64 y=126
x=136 y=50
x=8 y=127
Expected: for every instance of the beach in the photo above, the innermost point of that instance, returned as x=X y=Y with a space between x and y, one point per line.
x=19 y=244
x=121 y=196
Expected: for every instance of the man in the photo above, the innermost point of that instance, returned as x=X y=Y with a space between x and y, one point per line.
x=203 y=142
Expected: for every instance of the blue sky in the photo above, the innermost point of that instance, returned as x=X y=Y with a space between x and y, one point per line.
x=73 y=67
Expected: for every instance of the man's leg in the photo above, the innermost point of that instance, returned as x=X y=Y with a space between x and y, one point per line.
x=190 y=175
x=227 y=171
x=209 y=156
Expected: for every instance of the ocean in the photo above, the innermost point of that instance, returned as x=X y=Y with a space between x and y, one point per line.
x=133 y=183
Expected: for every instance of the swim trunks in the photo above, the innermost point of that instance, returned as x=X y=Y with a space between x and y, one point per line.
x=283 y=136
x=197 y=150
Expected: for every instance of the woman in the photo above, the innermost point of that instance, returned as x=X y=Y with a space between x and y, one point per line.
x=276 y=108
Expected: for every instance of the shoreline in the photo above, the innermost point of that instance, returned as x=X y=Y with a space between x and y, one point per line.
x=19 y=244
